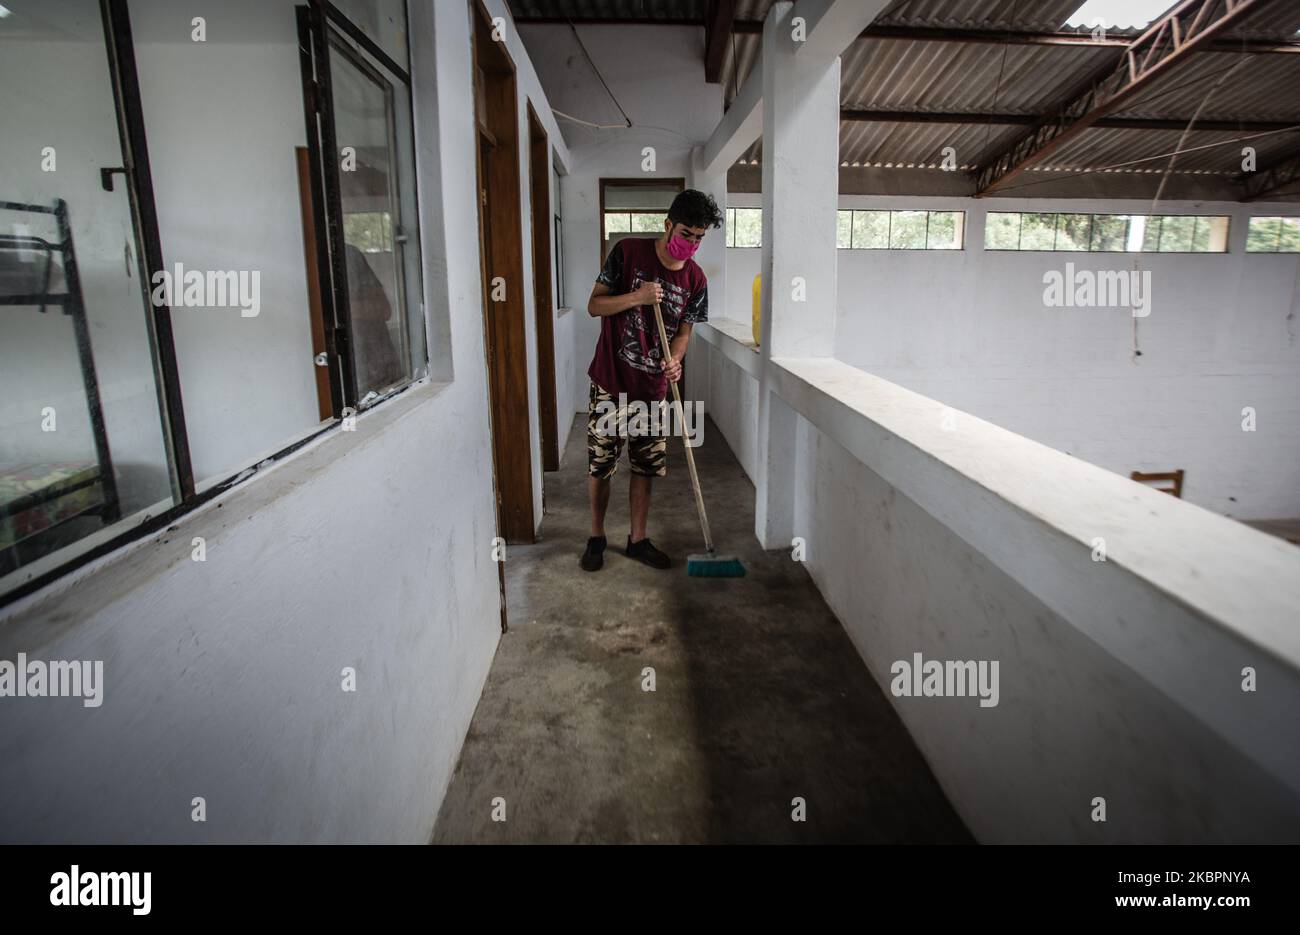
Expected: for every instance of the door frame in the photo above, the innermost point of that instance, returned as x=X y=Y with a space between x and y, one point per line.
x=501 y=235
x=653 y=182
x=326 y=202
x=539 y=183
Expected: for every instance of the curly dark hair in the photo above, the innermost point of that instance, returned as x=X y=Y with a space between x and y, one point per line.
x=695 y=209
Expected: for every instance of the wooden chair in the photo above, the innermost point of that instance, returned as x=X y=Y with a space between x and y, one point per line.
x=1173 y=478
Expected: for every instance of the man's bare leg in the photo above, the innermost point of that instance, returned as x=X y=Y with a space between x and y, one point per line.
x=638 y=495
x=598 y=493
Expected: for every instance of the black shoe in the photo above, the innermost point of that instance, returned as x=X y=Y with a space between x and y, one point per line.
x=643 y=551
x=594 y=557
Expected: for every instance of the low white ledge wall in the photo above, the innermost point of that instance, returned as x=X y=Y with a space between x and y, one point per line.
x=929 y=530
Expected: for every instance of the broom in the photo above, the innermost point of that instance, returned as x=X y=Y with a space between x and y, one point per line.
x=709 y=564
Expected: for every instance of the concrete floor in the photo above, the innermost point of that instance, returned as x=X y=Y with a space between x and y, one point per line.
x=760 y=697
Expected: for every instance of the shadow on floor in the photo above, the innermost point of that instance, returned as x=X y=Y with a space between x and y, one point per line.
x=760 y=698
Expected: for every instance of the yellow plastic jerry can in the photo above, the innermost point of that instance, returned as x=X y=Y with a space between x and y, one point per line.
x=758 y=307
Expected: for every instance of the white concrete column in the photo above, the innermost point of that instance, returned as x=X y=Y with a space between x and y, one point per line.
x=801 y=145
x=801 y=132
x=712 y=255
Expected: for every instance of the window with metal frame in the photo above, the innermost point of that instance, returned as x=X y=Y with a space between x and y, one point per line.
x=865 y=229
x=744 y=227
x=92 y=441
x=1105 y=233
x=1273 y=235
x=217 y=307
x=633 y=222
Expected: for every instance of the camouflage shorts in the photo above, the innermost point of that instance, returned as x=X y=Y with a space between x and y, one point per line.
x=646 y=453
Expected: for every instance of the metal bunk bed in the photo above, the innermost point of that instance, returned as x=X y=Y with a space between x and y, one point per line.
x=38 y=500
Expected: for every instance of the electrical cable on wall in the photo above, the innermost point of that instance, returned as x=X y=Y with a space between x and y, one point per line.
x=588 y=123
x=627 y=121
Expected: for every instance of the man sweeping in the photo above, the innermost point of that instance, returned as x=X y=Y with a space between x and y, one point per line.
x=631 y=365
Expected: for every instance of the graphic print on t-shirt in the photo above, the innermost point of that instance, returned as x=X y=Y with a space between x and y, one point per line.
x=638 y=348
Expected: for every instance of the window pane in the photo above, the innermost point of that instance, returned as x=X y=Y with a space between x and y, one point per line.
x=648 y=223
x=81 y=439
x=369 y=231
x=1201 y=234
x=383 y=21
x=870 y=230
x=1289 y=241
x=617 y=224
x=1263 y=234
x=945 y=231
x=907 y=230
x=844 y=229
x=1151 y=234
x=749 y=227
x=231 y=205
x=1038 y=232
x=1217 y=227
x=365 y=119
x=1109 y=233
x=1073 y=231
x=1177 y=234
x=1002 y=231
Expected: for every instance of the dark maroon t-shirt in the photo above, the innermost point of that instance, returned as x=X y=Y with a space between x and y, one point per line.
x=628 y=357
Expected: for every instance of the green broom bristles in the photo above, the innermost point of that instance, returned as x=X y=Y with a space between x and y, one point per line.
x=710 y=565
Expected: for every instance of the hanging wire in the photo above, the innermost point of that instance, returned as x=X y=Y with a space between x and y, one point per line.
x=1133 y=162
x=997 y=86
x=588 y=123
x=1220 y=73
x=627 y=121
x=735 y=70
x=1164 y=178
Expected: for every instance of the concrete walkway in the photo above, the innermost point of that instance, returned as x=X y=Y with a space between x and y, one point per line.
x=760 y=697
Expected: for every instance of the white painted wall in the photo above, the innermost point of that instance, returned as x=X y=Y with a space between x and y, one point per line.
x=368 y=549
x=656 y=72
x=970 y=328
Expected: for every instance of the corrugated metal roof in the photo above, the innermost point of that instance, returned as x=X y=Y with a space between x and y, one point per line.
x=1099 y=148
x=890 y=74
x=1019 y=15
x=1253 y=87
x=947 y=77
x=608 y=9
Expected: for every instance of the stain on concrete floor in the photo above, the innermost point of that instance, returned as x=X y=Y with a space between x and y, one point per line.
x=760 y=696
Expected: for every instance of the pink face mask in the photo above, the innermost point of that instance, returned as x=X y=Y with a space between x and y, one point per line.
x=679 y=248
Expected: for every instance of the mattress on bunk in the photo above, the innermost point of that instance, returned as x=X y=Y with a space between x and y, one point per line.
x=62 y=490
x=31 y=272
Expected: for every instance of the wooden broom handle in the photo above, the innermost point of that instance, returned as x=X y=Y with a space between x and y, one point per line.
x=681 y=420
